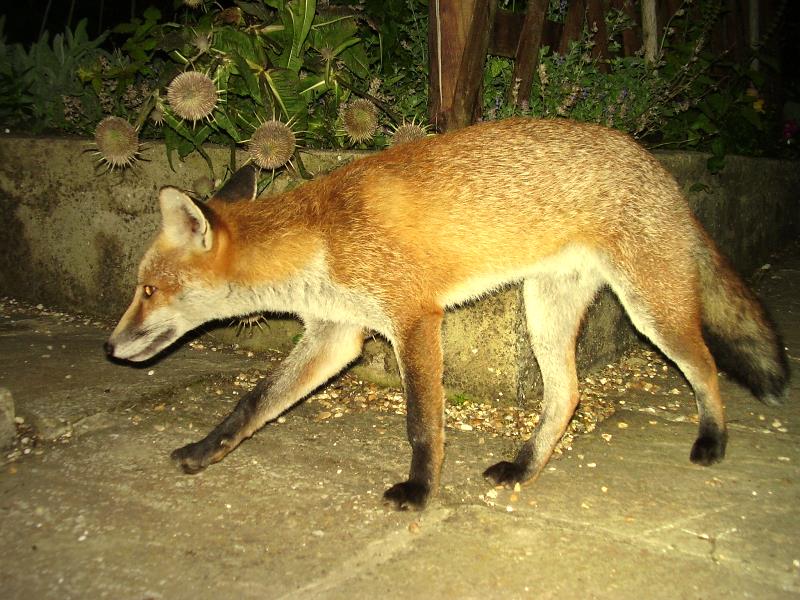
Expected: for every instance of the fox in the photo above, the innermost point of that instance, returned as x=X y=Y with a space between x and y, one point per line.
x=389 y=242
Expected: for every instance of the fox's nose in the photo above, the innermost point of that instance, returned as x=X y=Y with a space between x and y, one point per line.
x=109 y=348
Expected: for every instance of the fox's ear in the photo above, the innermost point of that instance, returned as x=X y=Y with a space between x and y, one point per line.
x=243 y=185
x=182 y=221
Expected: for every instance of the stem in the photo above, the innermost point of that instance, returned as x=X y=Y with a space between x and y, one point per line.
x=44 y=18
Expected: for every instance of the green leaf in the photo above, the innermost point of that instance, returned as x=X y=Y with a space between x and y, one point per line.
x=345 y=45
x=255 y=9
x=751 y=116
x=284 y=85
x=251 y=81
x=171 y=141
x=221 y=118
x=201 y=135
x=355 y=57
x=238 y=44
x=301 y=13
x=152 y=14
x=179 y=127
x=314 y=85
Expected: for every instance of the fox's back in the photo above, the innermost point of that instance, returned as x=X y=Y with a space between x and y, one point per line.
x=496 y=197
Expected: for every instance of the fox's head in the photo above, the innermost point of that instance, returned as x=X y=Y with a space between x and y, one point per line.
x=178 y=285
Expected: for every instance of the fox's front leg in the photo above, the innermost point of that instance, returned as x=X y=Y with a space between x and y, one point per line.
x=419 y=352
x=324 y=350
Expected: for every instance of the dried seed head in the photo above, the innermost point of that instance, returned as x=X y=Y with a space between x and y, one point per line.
x=202 y=40
x=193 y=3
x=192 y=95
x=360 y=119
x=272 y=145
x=117 y=142
x=156 y=115
x=408 y=132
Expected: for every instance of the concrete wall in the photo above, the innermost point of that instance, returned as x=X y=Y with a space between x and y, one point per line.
x=72 y=238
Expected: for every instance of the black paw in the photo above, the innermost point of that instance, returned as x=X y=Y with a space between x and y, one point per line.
x=408 y=495
x=506 y=473
x=193 y=458
x=708 y=449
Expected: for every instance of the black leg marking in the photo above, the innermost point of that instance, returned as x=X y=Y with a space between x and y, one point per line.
x=507 y=473
x=408 y=495
x=709 y=447
x=196 y=456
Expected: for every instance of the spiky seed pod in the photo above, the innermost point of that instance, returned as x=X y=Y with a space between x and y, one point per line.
x=156 y=115
x=192 y=95
x=117 y=142
x=360 y=119
x=408 y=132
x=272 y=145
x=202 y=41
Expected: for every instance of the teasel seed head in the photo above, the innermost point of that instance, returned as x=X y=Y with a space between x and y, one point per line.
x=117 y=142
x=192 y=95
x=408 y=132
x=360 y=120
x=272 y=144
x=156 y=115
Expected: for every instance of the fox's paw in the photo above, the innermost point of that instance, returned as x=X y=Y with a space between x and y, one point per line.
x=707 y=450
x=408 y=495
x=195 y=457
x=506 y=473
x=190 y=458
x=709 y=447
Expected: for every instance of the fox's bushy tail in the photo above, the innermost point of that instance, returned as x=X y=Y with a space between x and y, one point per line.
x=737 y=329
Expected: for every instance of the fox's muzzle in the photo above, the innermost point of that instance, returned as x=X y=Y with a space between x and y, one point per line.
x=140 y=346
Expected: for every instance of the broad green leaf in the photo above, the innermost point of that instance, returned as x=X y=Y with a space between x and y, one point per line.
x=285 y=88
x=355 y=57
x=221 y=118
x=201 y=135
x=302 y=17
x=314 y=85
x=179 y=127
x=152 y=14
x=246 y=73
x=237 y=44
x=255 y=9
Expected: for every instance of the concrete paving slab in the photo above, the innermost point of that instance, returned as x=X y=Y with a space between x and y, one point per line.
x=98 y=510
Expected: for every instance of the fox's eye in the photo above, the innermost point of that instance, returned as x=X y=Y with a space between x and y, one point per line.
x=148 y=290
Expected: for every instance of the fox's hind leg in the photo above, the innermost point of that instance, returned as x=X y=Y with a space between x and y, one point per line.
x=554 y=306
x=667 y=310
x=324 y=350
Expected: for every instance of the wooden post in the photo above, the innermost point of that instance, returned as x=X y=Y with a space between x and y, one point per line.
x=573 y=25
x=458 y=38
x=649 y=30
x=596 y=19
x=526 y=57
